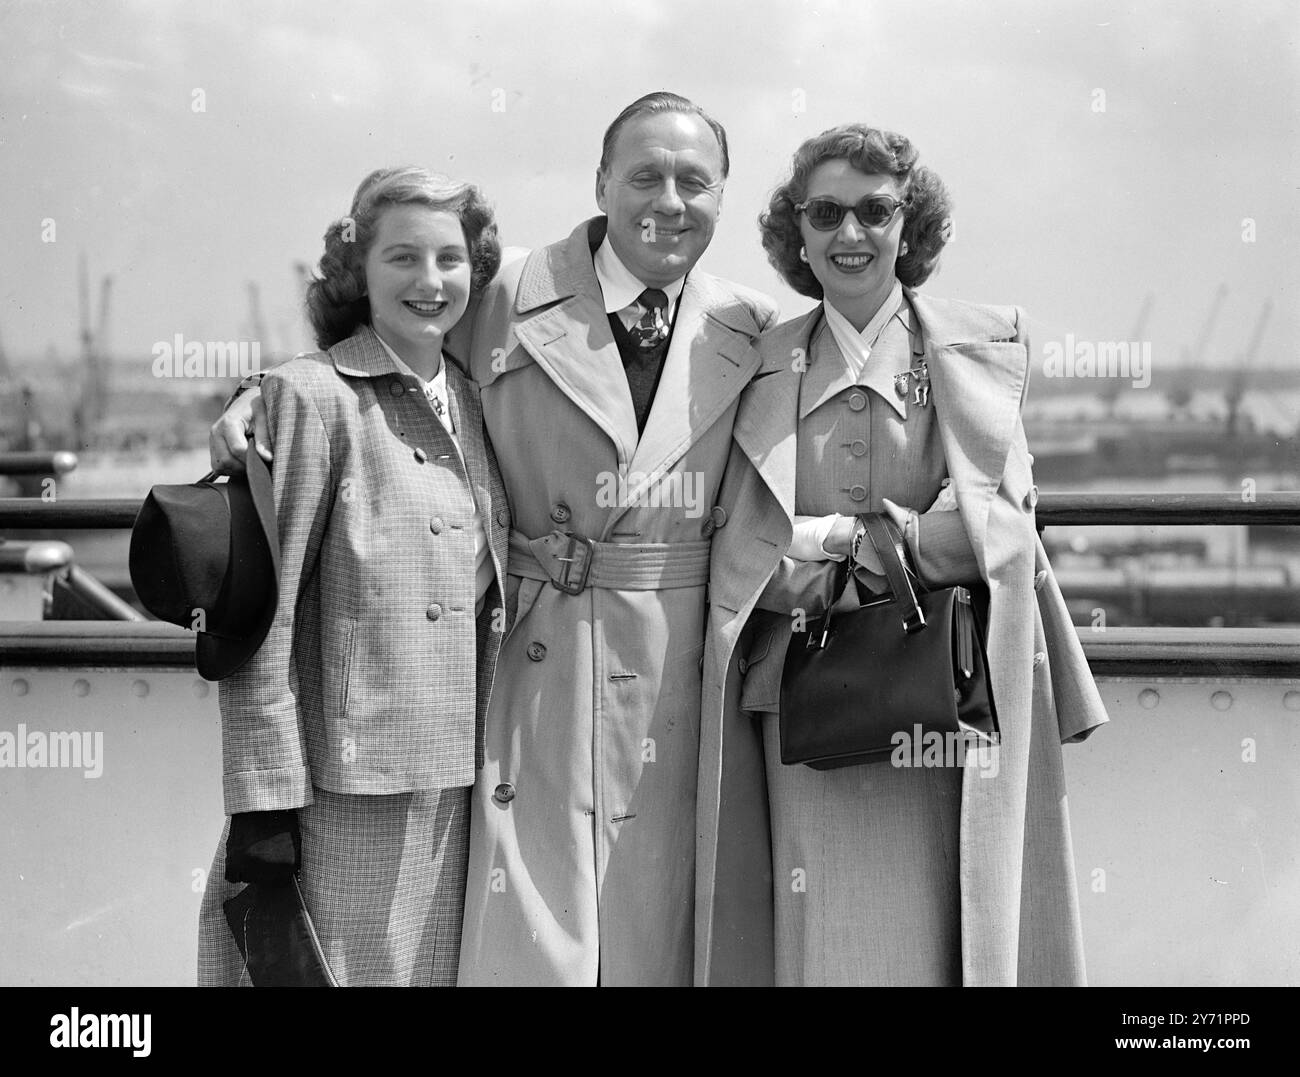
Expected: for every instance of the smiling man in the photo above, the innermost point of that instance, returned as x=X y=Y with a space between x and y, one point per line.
x=606 y=361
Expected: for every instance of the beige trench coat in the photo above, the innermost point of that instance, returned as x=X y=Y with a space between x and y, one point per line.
x=1019 y=904
x=582 y=853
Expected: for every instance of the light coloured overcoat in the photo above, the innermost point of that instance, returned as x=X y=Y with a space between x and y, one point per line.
x=1019 y=905
x=582 y=856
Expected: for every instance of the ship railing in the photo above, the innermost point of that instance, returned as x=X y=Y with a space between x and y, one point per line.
x=1111 y=651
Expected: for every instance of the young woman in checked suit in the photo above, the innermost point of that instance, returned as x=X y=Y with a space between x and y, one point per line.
x=350 y=739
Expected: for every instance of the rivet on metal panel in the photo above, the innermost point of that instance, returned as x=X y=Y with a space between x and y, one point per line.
x=1149 y=698
x=140 y=689
x=1291 y=701
x=200 y=689
x=81 y=687
x=1221 y=701
x=20 y=687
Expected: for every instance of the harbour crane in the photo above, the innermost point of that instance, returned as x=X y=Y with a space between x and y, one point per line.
x=1180 y=396
x=1111 y=387
x=94 y=354
x=1241 y=372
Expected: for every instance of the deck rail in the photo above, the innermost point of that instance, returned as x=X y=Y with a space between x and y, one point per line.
x=1122 y=652
x=1054 y=509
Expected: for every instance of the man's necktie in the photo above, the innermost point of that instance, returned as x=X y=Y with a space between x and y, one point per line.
x=643 y=348
x=652 y=328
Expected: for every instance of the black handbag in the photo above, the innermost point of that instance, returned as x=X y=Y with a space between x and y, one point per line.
x=903 y=664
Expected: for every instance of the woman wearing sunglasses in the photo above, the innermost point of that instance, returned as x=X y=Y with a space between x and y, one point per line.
x=883 y=400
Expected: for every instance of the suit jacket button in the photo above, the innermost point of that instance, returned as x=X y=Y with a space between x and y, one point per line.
x=1040 y=578
x=503 y=793
x=1031 y=498
x=858 y=448
x=536 y=651
x=433 y=612
x=503 y=517
x=858 y=493
x=857 y=401
x=1040 y=658
x=435 y=525
x=561 y=513
x=396 y=388
x=421 y=455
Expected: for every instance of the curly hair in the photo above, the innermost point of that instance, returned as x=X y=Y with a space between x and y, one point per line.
x=336 y=296
x=927 y=220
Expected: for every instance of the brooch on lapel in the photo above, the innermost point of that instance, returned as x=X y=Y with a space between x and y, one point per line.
x=430 y=394
x=920 y=378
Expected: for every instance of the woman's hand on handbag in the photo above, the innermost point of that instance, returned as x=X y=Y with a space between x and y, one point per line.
x=263 y=847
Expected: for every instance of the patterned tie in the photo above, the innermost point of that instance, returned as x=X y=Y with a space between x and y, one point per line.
x=652 y=329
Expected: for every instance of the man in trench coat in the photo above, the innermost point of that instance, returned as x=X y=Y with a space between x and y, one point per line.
x=582 y=857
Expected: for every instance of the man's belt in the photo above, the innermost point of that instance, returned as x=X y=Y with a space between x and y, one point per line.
x=573 y=563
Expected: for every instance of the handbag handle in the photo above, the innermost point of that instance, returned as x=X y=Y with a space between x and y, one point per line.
x=888 y=541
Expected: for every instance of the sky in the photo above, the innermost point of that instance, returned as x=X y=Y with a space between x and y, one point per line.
x=1097 y=152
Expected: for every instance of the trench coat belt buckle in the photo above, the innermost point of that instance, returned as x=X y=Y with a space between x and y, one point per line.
x=573 y=563
x=567 y=558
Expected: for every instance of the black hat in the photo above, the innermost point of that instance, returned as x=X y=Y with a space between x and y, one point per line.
x=206 y=556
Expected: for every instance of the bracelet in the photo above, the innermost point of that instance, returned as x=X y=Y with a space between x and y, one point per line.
x=859 y=533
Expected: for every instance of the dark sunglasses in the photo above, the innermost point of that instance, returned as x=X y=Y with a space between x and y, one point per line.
x=874 y=211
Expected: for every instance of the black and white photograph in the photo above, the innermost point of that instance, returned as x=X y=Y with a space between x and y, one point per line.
x=787 y=493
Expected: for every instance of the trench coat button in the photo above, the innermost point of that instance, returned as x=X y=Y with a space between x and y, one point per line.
x=857 y=401
x=503 y=793
x=718 y=515
x=708 y=527
x=435 y=525
x=503 y=517
x=1040 y=578
x=561 y=513
x=858 y=493
x=1031 y=498
x=744 y=666
x=1040 y=658
x=421 y=455
x=858 y=448
x=433 y=612
x=396 y=388
x=536 y=651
